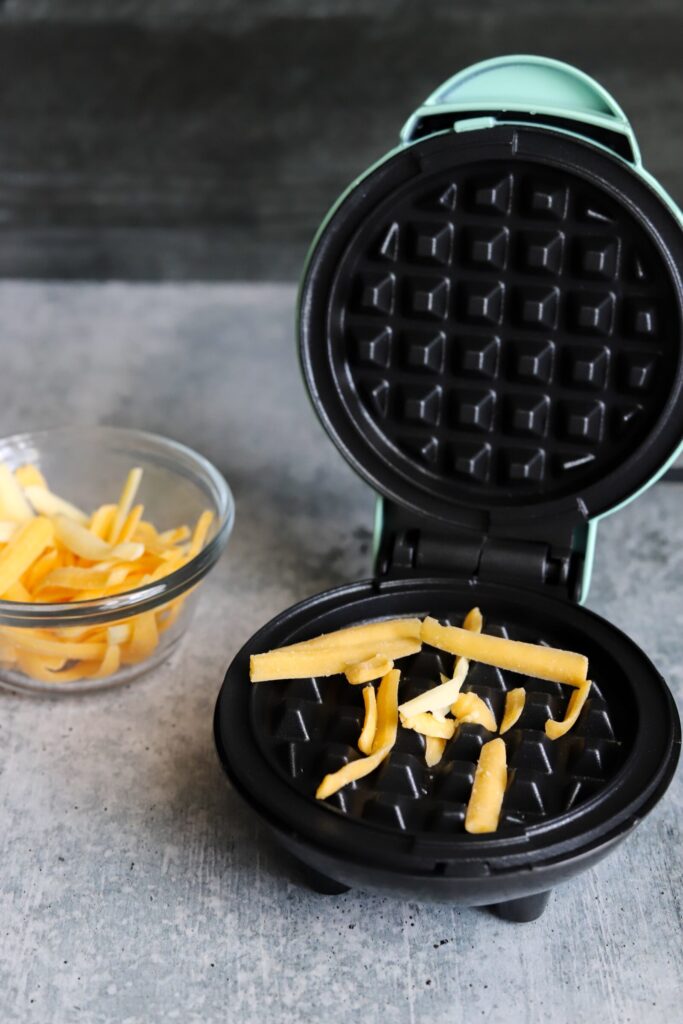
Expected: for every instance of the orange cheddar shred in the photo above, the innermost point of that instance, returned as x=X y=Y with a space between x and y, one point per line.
x=51 y=551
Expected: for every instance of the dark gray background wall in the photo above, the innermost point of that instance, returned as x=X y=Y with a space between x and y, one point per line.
x=206 y=138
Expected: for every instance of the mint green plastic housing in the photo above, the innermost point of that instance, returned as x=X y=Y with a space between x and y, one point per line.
x=508 y=90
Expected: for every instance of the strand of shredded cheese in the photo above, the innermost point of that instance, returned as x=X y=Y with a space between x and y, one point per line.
x=428 y=725
x=438 y=697
x=130 y=489
x=13 y=503
x=367 y=736
x=27 y=545
x=514 y=655
x=576 y=702
x=365 y=671
x=469 y=707
x=490 y=781
x=385 y=737
x=514 y=705
x=353 y=636
x=434 y=748
x=48 y=504
x=296 y=664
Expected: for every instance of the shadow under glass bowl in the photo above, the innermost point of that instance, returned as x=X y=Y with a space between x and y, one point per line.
x=88 y=466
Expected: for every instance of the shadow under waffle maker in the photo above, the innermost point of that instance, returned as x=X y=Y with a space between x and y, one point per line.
x=490 y=330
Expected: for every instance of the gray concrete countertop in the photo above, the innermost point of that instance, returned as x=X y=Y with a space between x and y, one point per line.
x=134 y=885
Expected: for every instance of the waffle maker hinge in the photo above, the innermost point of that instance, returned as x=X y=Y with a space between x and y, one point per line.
x=409 y=547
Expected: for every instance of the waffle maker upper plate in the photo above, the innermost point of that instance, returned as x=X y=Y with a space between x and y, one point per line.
x=490 y=331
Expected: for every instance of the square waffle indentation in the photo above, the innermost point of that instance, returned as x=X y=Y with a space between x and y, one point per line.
x=537 y=307
x=531 y=750
x=404 y=774
x=527 y=793
x=487 y=248
x=542 y=251
x=491 y=195
x=592 y=312
x=424 y=351
x=532 y=361
x=429 y=297
x=474 y=410
x=372 y=347
x=454 y=784
x=545 y=200
x=587 y=366
x=527 y=414
x=472 y=461
x=481 y=302
x=582 y=421
x=389 y=244
x=425 y=449
x=596 y=257
x=523 y=464
x=375 y=395
x=422 y=405
x=640 y=319
x=377 y=292
x=636 y=370
x=433 y=243
x=477 y=356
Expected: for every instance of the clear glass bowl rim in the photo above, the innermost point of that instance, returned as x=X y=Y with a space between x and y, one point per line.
x=131 y=602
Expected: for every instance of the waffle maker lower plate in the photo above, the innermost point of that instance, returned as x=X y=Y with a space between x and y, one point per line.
x=568 y=801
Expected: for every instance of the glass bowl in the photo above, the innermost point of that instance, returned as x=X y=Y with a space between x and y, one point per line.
x=88 y=466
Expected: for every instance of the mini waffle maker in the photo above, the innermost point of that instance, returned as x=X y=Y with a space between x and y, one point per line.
x=490 y=330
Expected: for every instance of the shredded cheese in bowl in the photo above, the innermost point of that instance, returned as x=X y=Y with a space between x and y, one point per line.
x=90 y=596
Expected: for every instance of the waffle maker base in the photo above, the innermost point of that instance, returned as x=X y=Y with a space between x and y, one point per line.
x=401 y=829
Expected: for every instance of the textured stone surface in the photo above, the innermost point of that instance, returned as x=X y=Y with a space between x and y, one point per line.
x=135 y=887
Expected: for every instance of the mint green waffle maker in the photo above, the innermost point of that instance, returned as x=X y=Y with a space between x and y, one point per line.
x=490 y=330
x=490 y=327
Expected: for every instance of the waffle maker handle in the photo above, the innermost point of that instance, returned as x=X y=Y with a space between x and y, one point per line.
x=535 y=90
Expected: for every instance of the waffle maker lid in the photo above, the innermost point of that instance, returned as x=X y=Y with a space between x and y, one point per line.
x=491 y=317
x=490 y=330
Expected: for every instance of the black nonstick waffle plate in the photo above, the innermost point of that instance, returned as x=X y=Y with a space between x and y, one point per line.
x=567 y=801
x=492 y=321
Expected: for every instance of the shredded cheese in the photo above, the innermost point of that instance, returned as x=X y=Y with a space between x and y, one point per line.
x=61 y=554
x=367 y=736
x=490 y=781
x=13 y=503
x=366 y=671
x=528 y=659
x=426 y=724
x=25 y=547
x=29 y=475
x=385 y=737
x=7 y=530
x=290 y=663
x=366 y=633
x=48 y=504
x=130 y=489
x=438 y=697
x=514 y=705
x=576 y=702
x=200 y=534
x=434 y=749
x=469 y=707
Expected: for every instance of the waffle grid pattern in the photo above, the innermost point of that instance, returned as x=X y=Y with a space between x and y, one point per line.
x=505 y=329
x=311 y=726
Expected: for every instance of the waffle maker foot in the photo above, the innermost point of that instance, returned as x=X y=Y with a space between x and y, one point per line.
x=523 y=910
x=320 y=883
